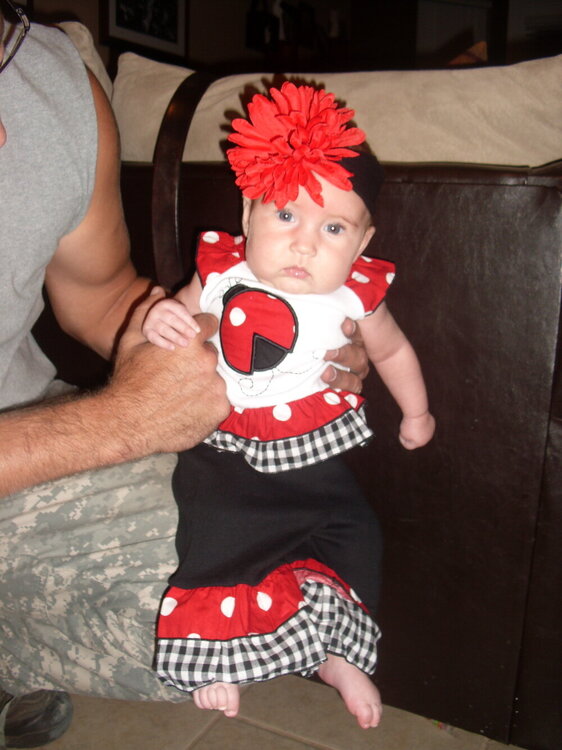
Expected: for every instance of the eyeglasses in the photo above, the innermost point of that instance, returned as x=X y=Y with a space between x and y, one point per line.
x=16 y=34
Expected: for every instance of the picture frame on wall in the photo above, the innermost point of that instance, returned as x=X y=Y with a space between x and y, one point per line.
x=155 y=29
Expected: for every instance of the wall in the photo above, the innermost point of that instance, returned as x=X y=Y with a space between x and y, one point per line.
x=72 y=10
x=533 y=29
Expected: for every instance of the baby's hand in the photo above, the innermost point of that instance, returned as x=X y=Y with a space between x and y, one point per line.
x=416 y=431
x=168 y=324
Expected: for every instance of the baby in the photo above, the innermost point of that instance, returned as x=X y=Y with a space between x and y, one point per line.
x=279 y=552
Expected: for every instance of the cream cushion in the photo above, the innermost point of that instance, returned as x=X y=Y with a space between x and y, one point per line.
x=510 y=115
x=139 y=114
x=82 y=40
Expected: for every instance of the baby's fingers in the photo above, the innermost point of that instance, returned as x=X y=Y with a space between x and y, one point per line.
x=170 y=323
x=172 y=310
x=409 y=443
x=158 y=340
x=416 y=432
x=179 y=313
x=173 y=330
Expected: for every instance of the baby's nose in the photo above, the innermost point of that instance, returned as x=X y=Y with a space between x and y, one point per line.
x=304 y=242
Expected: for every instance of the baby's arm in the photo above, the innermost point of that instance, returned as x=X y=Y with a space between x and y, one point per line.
x=397 y=364
x=170 y=323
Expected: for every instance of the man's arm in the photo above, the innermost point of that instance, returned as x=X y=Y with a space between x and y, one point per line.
x=91 y=281
x=156 y=401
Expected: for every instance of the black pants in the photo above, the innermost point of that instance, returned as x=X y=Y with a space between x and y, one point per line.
x=236 y=525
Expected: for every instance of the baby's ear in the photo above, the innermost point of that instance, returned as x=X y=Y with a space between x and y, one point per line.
x=246 y=211
x=367 y=237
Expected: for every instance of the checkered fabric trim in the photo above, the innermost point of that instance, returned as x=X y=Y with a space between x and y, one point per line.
x=326 y=623
x=344 y=433
x=344 y=628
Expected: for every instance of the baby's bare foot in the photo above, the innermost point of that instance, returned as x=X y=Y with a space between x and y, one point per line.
x=361 y=697
x=220 y=696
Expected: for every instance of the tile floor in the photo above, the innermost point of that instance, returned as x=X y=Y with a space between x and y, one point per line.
x=286 y=714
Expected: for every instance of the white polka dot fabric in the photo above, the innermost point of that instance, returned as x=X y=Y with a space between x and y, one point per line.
x=325 y=623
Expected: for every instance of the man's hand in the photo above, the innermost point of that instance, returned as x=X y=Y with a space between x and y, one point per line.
x=156 y=401
x=171 y=400
x=352 y=357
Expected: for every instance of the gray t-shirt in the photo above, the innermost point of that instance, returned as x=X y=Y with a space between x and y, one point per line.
x=47 y=174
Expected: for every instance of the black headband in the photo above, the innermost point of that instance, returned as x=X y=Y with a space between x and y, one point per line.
x=368 y=176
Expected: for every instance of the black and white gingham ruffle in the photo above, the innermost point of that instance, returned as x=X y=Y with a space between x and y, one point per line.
x=344 y=433
x=327 y=623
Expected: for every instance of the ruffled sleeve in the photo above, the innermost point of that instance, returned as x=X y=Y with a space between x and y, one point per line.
x=370 y=278
x=217 y=252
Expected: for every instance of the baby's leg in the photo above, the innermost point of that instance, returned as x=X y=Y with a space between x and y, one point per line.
x=220 y=696
x=361 y=697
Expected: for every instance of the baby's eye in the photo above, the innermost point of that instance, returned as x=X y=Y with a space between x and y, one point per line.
x=334 y=228
x=285 y=215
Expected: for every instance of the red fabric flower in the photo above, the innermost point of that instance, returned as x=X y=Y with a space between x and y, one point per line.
x=300 y=131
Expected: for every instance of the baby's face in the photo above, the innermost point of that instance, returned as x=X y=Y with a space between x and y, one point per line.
x=305 y=248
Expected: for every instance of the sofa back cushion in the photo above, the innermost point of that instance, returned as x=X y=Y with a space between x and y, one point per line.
x=508 y=115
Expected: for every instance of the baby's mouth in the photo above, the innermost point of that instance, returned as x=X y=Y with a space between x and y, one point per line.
x=296 y=272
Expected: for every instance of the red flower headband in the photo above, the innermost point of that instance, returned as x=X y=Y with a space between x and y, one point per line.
x=298 y=132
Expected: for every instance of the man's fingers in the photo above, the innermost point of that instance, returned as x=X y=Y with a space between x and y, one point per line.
x=208 y=324
x=349 y=328
x=353 y=357
x=347 y=381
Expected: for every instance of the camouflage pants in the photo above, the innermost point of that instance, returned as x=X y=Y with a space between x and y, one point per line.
x=83 y=564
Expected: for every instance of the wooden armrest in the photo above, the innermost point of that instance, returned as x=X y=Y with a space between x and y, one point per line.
x=168 y=154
